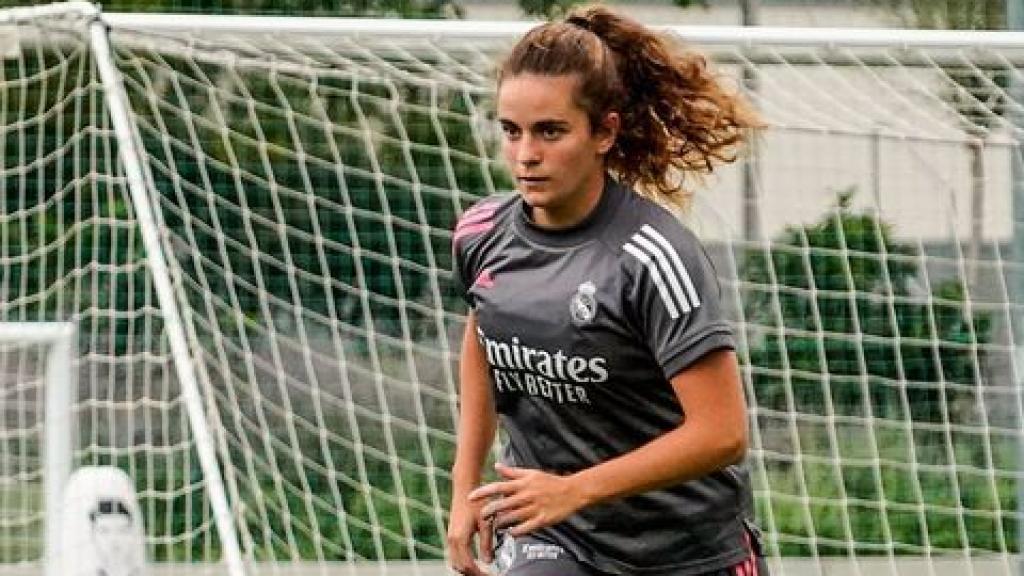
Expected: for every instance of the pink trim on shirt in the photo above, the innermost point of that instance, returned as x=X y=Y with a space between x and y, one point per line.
x=479 y=218
x=470 y=229
x=476 y=214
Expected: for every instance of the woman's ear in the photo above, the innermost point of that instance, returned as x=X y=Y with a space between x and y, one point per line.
x=608 y=131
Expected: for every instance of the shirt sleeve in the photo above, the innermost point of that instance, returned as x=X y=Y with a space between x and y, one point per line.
x=472 y=227
x=460 y=264
x=675 y=296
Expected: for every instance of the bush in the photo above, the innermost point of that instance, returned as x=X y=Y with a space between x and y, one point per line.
x=837 y=312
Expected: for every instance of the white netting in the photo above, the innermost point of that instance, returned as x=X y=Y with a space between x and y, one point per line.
x=70 y=250
x=311 y=207
x=306 y=185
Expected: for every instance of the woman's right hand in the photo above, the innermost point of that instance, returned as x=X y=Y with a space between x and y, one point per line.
x=477 y=425
x=466 y=523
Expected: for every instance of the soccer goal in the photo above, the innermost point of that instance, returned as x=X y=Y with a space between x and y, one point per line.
x=249 y=222
x=36 y=385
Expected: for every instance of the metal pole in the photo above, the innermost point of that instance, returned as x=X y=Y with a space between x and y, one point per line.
x=976 y=151
x=1015 y=21
x=60 y=389
x=705 y=36
x=750 y=15
x=876 y=168
x=127 y=144
x=750 y=12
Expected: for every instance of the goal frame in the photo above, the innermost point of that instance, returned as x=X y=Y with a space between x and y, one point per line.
x=59 y=381
x=139 y=190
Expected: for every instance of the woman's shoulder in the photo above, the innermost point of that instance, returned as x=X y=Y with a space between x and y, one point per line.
x=482 y=217
x=645 y=221
x=486 y=207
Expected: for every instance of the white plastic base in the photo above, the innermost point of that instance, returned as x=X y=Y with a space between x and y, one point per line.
x=101 y=525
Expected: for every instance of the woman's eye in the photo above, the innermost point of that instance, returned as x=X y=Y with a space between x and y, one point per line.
x=551 y=133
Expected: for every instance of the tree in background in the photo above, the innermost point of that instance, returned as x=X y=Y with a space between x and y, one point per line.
x=840 y=302
x=949 y=14
x=849 y=338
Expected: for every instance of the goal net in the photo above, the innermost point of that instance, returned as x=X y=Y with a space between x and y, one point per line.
x=302 y=178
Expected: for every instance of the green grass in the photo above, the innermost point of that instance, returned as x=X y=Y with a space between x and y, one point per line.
x=875 y=498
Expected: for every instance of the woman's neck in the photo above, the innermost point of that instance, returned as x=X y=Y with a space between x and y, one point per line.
x=574 y=212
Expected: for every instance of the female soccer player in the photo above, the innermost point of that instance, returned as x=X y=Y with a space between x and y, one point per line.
x=595 y=330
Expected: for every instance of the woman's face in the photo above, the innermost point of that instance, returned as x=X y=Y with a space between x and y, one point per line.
x=554 y=155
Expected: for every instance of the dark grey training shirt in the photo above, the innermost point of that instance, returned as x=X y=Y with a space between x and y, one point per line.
x=583 y=328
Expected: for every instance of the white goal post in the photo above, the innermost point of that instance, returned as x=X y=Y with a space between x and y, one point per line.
x=249 y=222
x=53 y=372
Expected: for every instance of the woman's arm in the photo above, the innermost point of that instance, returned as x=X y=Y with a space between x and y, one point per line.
x=712 y=436
x=477 y=424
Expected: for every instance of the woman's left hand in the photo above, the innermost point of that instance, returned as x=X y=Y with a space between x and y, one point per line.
x=527 y=500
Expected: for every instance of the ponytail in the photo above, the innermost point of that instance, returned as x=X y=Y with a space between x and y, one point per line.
x=678 y=121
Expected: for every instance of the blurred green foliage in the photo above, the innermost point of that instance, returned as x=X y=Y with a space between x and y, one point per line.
x=843 y=319
x=918 y=500
x=857 y=353
x=949 y=14
x=362 y=8
x=285 y=198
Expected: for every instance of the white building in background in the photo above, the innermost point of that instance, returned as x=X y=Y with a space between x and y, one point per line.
x=886 y=133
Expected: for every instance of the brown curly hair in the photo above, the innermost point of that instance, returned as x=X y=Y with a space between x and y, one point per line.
x=677 y=119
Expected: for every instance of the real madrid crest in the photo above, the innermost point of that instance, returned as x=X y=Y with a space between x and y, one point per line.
x=583 y=306
x=506 y=554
